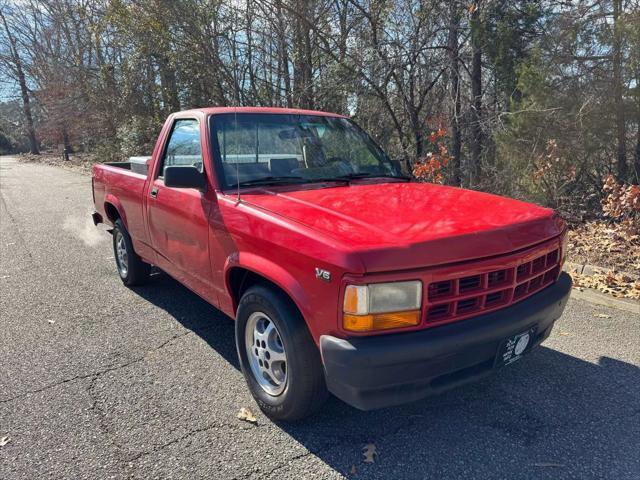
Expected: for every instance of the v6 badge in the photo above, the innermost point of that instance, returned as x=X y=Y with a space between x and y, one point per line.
x=322 y=274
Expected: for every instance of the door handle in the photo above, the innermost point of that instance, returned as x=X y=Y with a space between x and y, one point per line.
x=154 y=192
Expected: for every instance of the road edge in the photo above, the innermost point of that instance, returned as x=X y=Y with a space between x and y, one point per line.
x=598 y=298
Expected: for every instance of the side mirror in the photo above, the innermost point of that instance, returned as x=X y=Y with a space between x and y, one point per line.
x=184 y=176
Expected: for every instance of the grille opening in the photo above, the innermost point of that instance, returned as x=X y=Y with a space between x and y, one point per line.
x=496 y=298
x=491 y=288
x=470 y=283
x=520 y=290
x=438 y=311
x=535 y=283
x=538 y=264
x=551 y=275
x=523 y=271
x=468 y=305
x=440 y=289
x=497 y=277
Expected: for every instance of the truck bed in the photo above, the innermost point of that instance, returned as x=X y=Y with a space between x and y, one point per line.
x=118 y=184
x=135 y=164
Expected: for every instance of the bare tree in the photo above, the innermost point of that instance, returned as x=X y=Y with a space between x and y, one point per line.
x=476 y=92
x=454 y=80
x=24 y=91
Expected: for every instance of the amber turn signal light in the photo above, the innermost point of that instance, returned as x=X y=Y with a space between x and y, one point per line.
x=380 y=321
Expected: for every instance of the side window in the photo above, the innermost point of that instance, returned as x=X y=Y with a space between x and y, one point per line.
x=184 y=146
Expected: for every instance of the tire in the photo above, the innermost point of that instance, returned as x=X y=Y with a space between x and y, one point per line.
x=131 y=268
x=302 y=389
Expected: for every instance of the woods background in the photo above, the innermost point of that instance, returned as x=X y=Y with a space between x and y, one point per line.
x=534 y=99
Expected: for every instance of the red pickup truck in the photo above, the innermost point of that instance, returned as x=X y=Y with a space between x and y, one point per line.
x=343 y=275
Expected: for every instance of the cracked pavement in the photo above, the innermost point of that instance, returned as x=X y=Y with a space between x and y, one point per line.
x=101 y=381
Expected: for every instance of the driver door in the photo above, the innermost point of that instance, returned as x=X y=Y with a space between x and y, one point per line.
x=178 y=217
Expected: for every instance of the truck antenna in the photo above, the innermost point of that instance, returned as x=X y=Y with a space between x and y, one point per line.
x=235 y=126
x=236 y=93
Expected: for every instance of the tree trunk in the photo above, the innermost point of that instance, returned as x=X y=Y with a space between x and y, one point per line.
x=108 y=102
x=454 y=79
x=418 y=134
x=168 y=83
x=636 y=179
x=621 y=131
x=476 y=94
x=302 y=62
x=68 y=148
x=249 y=53
x=283 y=55
x=26 y=105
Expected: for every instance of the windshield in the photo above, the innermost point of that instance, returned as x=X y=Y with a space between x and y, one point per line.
x=274 y=148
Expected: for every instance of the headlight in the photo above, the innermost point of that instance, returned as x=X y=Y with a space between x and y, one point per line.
x=382 y=306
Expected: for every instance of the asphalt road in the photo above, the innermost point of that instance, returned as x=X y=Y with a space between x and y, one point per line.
x=101 y=381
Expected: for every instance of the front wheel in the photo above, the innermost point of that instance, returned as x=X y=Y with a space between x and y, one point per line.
x=279 y=359
x=131 y=268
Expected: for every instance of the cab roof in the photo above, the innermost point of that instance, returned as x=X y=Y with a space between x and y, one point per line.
x=267 y=110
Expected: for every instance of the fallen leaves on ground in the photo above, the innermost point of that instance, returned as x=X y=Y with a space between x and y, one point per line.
x=4 y=441
x=606 y=245
x=246 y=415
x=78 y=161
x=369 y=452
x=615 y=284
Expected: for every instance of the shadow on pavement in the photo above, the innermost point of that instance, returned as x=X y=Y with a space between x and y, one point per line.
x=550 y=415
x=209 y=323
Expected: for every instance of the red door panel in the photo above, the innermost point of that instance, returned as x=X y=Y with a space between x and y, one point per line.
x=179 y=230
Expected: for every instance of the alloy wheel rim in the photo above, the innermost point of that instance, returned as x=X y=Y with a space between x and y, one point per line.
x=266 y=353
x=121 y=255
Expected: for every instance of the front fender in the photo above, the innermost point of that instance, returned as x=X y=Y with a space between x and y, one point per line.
x=272 y=272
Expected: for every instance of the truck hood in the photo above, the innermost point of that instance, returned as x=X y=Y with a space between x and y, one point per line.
x=397 y=225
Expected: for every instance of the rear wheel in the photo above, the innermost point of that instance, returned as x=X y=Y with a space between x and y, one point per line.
x=279 y=359
x=131 y=268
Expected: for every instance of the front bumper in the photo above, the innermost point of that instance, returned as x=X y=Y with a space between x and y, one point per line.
x=377 y=372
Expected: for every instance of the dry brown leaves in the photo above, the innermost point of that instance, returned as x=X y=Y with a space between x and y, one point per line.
x=605 y=245
x=612 y=246
x=77 y=162
x=369 y=452
x=622 y=201
x=246 y=415
x=615 y=284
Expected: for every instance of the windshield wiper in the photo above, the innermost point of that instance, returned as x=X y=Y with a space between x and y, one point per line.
x=284 y=179
x=355 y=176
x=270 y=180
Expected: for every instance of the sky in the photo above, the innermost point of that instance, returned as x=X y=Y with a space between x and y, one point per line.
x=8 y=90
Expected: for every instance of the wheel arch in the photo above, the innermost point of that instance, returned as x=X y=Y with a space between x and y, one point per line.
x=114 y=211
x=250 y=269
